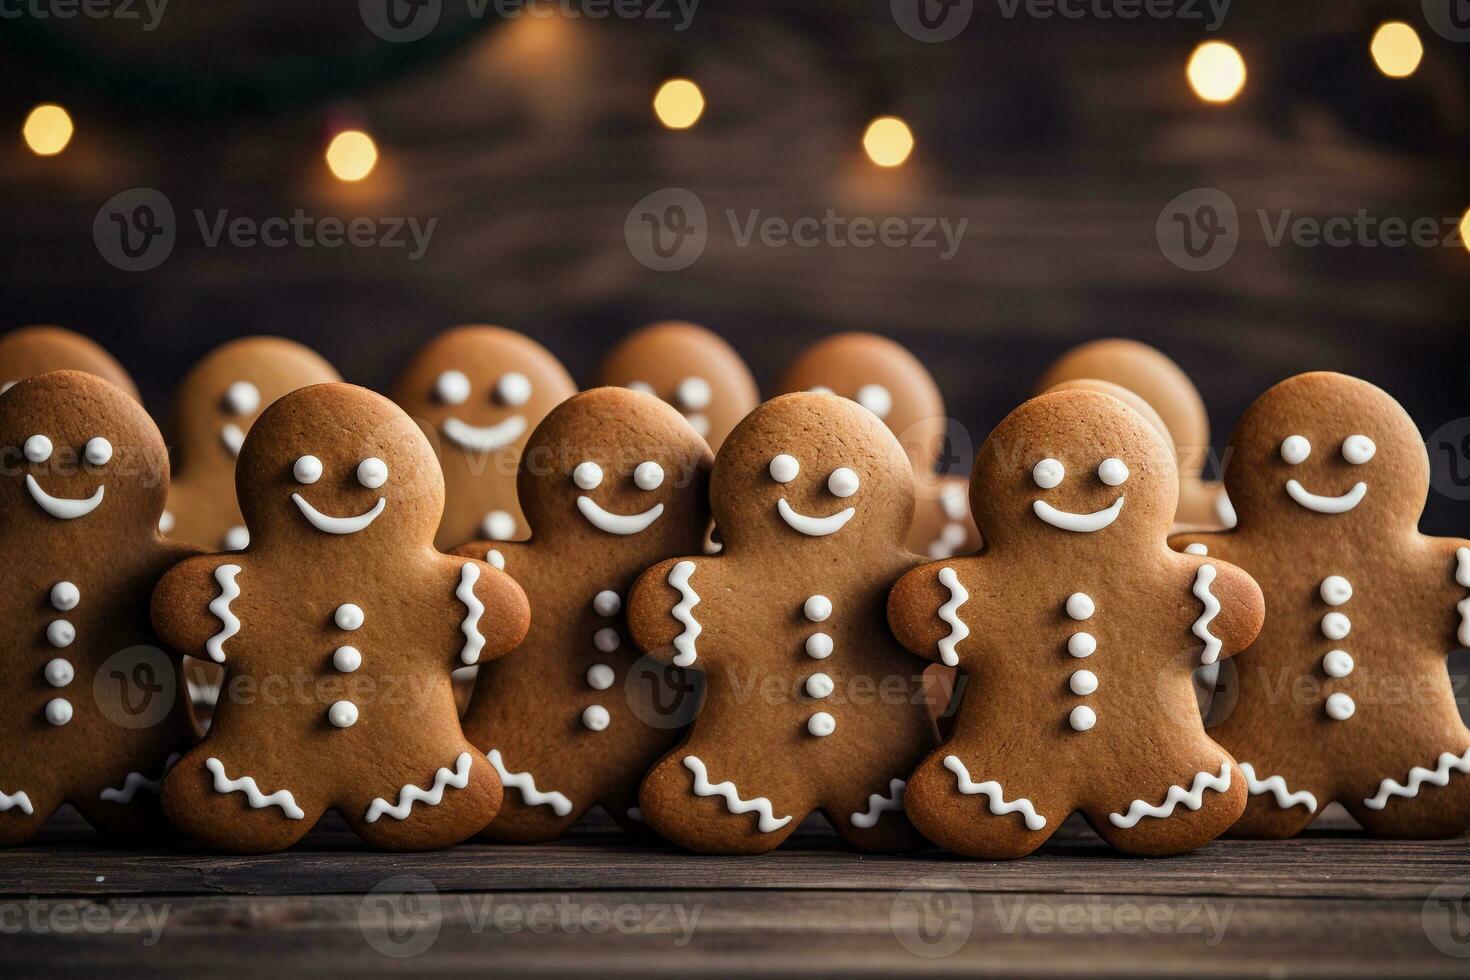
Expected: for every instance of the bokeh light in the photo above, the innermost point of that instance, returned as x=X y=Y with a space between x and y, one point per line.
x=888 y=141
x=1397 y=49
x=1216 y=72
x=47 y=129
x=678 y=103
x=352 y=155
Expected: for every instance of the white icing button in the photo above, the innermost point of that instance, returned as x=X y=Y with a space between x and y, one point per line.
x=821 y=724
x=600 y=677
x=495 y=559
x=819 y=686
x=607 y=603
x=60 y=633
x=165 y=523
x=1081 y=645
x=1196 y=549
x=1337 y=663
x=819 y=646
x=65 y=596
x=452 y=387
x=242 y=397
x=694 y=394
x=1083 y=682
x=642 y=386
x=513 y=388
x=1340 y=707
x=843 y=482
x=648 y=475
x=1113 y=471
x=876 y=399
x=1336 y=590
x=1335 y=626
x=58 y=711
x=784 y=468
x=372 y=472
x=307 y=469
x=343 y=714
x=1048 y=473
x=607 y=640
x=587 y=475
x=817 y=608
x=59 y=672
x=699 y=422
x=499 y=525
x=1082 y=718
x=37 y=449
x=1080 y=606
x=237 y=538
x=97 y=451
x=1358 y=449
x=596 y=717
x=1295 y=449
x=348 y=616
x=347 y=659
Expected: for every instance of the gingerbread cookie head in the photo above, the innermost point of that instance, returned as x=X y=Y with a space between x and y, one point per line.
x=36 y=350
x=689 y=367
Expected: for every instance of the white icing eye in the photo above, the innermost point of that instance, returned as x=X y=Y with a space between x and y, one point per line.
x=308 y=469
x=513 y=388
x=1295 y=449
x=242 y=398
x=97 y=451
x=1048 y=473
x=784 y=468
x=1358 y=449
x=876 y=399
x=642 y=386
x=587 y=475
x=843 y=482
x=1113 y=471
x=693 y=393
x=648 y=476
x=38 y=449
x=372 y=472
x=452 y=387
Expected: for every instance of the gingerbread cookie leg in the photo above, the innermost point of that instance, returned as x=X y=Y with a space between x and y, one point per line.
x=1425 y=795
x=533 y=811
x=25 y=806
x=1281 y=803
x=975 y=802
x=875 y=821
x=131 y=808
x=727 y=819
x=426 y=799
x=241 y=803
x=1205 y=796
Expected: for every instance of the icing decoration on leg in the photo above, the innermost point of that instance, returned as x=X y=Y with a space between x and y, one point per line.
x=19 y=800
x=879 y=804
x=526 y=783
x=1418 y=776
x=949 y=612
x=1462 y=578
x=229 y=591
x=1201 y=627
x=991 y=790
x=136 y=781
x=410 y=794
x=1194 y=798
x=684 y=612
x=702 y=787
x=469 y=574
x=1276 y=786
x=247 y=785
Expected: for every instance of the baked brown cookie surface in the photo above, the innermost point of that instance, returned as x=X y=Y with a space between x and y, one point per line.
x=35 y=350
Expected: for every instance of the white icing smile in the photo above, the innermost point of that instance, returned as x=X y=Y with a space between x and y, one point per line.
x=485 y=438
x=232 y=437
x=338 y=525
x=1340 y=504
x=62 y=507
x=815 y=527
x=1082 y=523
x=605 y=520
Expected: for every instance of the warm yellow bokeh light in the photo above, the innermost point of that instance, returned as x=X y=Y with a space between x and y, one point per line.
x=678 y=103
x=47 y=129
x=1465 y=229
x=1216 y=71
x=888 y=141
x=352 y=155
x=1397 y=49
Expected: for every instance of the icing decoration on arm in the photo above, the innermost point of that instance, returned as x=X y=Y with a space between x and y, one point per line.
x=410 y=794
x=813 y=527
x=526 y=783
x=469 y=574
x=949 y=612
x=991 y=790
x=1276 y=786
x=684 y=612
x=229 y=591
x=63 y=508
x=1201 y=628
x=1193 y=798
x=1081 y=523
x=1418 y=776
x=18 y=800
x=136 y=781
x=1462 y=578
x=338 y=525
x=702 y=787
x=1196 y=549
x=878 y=804
x=1327 y=505
x=246 y=784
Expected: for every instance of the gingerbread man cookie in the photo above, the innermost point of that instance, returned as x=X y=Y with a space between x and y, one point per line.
x=1080 y=630
x=810 y=704
x=689 y=367
x=477 y=392
x=612 y=481
x=1344 y=696
x=35 y=350
x=93 y=710
x=337 y=628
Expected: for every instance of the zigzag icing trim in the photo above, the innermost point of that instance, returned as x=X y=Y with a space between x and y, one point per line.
x=1418 y=776
x=1462 y=577
x=229 y=591
x=1276 y=786
x=136 y=781
x=410 y=794
x=684 y=612
x=524 y=782
x=19 y=799
x=469 y=574
x=702 y=787
x=246 y=784
x=1194 y=798
x=990 y=789
x=1201 y=627
x=878 y=804
x=949 y=612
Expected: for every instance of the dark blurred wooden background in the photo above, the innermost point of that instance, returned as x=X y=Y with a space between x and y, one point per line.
x=530 y=140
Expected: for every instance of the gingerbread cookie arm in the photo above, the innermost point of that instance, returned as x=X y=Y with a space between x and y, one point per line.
x=496 y=611
x=668 y=609
x=1451 y=570
x=932 y=610
x=1228 y=607
x=191 y=607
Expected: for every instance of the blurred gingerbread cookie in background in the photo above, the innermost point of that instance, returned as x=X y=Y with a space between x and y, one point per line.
x=477 y=391
x=35 y=350
x=1154 y=377
x=689 y=367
